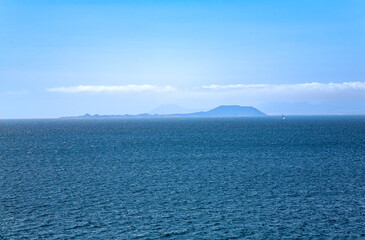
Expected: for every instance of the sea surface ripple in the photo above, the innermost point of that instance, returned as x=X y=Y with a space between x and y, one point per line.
x=243 y=178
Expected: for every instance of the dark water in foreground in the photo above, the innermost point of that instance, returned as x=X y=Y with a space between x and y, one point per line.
x=254 y=178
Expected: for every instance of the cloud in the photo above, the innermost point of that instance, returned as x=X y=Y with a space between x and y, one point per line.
x=312 y=92
x=119 y=88
x=290 y=87
x=301 y=87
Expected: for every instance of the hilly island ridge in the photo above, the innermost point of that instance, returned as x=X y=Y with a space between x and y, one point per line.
x=221 y=111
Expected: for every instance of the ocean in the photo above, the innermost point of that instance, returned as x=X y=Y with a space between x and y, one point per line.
x=175 y=178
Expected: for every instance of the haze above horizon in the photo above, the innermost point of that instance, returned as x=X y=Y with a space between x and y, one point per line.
x=67 y=58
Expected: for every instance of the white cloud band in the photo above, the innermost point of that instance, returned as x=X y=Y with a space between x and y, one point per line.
x=300 y=86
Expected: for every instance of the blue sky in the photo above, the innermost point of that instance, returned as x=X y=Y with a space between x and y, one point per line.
x=61 y=58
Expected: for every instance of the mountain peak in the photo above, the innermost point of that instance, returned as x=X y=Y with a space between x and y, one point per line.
x=234 y=111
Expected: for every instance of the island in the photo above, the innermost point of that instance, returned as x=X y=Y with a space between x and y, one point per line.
x=221 y=111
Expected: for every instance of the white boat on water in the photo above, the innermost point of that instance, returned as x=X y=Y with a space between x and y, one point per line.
x=283 y=117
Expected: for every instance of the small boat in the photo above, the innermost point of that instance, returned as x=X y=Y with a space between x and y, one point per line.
x=283 y=117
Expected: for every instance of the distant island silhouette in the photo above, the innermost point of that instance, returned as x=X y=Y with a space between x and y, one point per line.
x=221 y=111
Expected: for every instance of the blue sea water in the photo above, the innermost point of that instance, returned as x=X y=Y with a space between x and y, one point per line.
x=239 y=178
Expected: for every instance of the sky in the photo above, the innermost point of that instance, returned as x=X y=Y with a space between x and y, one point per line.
x=68 y=58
